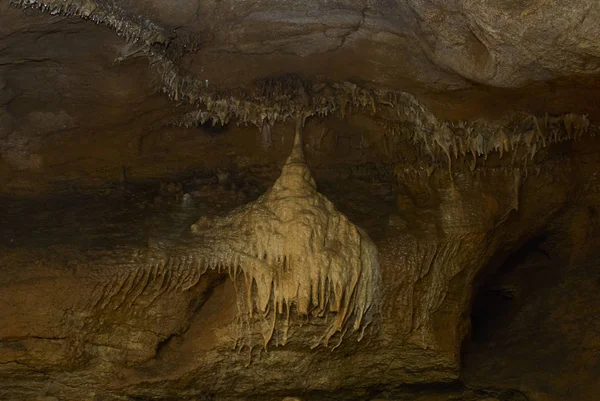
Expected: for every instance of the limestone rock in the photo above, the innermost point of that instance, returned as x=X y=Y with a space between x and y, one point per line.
x=461 y=136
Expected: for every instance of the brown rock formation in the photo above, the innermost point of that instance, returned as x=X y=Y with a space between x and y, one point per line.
x=460 y=136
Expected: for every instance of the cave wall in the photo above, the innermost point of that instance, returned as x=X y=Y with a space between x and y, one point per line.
x=460 y=136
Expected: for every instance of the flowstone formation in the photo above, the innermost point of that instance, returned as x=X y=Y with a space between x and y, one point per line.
x=288 y=252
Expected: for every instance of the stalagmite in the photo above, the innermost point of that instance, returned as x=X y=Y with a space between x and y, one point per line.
x=295 y=251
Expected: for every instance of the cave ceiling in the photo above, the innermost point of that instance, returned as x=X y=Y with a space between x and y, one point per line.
x=76 y=73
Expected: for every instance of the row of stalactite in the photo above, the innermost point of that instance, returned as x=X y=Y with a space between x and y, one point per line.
x=285 y=98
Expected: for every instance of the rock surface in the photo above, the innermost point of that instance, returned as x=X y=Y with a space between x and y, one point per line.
x=460 y=135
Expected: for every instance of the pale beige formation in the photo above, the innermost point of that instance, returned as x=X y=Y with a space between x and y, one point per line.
x=289 y=251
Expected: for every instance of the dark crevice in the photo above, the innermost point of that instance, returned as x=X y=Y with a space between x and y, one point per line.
x=213 y=129
x=196 y=304
x=497 y=298
x=162 y=345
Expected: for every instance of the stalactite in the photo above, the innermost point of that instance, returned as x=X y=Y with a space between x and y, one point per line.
x=295 y=252
x=280 y=99
x=480 y=139
x=133 y=29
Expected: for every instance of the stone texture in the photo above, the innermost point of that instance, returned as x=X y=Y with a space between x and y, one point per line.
x=91 y=336
x=510 y=43
x=552 y=314
x=439 y=43
x=77 y=66
x=480 y=193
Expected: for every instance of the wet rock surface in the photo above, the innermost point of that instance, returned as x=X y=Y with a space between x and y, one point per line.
x=460 y=136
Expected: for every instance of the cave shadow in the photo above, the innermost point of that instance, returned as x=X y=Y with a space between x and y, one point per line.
x=499 y=292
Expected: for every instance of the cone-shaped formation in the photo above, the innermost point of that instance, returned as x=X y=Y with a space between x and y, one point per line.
x=295 y=252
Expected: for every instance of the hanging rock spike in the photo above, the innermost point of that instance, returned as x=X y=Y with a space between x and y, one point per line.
x=306 y=254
